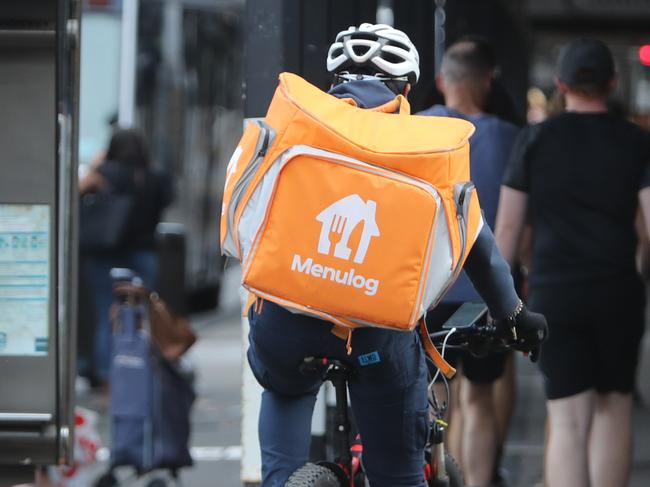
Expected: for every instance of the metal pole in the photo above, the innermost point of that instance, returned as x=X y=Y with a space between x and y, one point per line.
x=68 y=118
x=440 y=36
x=172 y=39
x=128 y=50
x=385 y=14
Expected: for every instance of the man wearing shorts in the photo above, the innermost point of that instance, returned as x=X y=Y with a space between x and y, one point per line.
x=580 y=177
x=465 y=78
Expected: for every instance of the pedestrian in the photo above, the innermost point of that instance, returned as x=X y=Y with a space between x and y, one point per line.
x=580 y=177
x=465 y=80
x=125 y=171
x=372 y=66
x=537 y=105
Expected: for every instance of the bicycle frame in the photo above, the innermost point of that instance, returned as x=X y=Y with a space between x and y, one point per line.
x=477 y=339
x=436 y=468
x=347 y=463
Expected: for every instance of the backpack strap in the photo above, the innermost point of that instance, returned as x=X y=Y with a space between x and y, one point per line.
x=250 y=301
x=343 y=329
x=344 y=333
x=438 y=360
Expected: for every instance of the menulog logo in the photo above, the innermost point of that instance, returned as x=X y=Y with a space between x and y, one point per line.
x=338 y=222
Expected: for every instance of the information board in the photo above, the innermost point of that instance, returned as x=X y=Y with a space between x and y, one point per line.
x=24 y=279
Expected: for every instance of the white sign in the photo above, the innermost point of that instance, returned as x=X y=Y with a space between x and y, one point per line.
x=24 y=279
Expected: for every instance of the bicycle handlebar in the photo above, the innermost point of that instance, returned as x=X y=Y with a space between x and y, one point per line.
x=479 y=340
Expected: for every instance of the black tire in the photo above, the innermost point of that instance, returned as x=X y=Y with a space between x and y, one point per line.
x=360 y=480
x=106 y=480
x=157 y=483
x=454 y=475
x=453 y=472
x=312 y=475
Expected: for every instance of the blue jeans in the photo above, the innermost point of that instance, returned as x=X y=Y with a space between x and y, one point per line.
x=142 y=262
x=388 y=396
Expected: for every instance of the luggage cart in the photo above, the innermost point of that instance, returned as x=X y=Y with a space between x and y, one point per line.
x=150 y=398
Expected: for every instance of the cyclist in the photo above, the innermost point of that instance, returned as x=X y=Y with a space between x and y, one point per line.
x=370 y=64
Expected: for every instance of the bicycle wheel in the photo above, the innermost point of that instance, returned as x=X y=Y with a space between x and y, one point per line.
x=453 y=472
x=157 y=483
x=312 y=475
x=454 y=475
x=106 y=480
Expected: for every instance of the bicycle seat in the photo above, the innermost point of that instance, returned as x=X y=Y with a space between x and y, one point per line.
x=326 y=368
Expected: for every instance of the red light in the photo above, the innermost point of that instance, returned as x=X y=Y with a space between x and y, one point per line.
x=644 y=55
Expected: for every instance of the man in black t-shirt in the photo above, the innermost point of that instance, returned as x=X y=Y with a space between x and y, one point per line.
x=579 y=178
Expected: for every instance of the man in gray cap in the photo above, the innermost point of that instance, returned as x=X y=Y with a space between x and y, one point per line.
x=579 y=178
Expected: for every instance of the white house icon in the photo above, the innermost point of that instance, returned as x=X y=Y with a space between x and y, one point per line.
x=342 y=218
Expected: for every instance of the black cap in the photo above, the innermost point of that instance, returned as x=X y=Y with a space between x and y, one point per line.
x=585 y=62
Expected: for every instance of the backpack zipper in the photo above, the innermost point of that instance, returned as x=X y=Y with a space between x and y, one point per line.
x=243 y=182
x=461 y=215
x=461 y=210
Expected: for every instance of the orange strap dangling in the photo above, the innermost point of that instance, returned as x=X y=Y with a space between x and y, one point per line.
x=344 y=333
x=445 y=367
x=250 y=301
x=348 y=343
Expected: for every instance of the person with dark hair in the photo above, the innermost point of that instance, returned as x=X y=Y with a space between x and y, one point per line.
x=465 y=80
x=498 y=101
x=126 y=170
x=580 y=178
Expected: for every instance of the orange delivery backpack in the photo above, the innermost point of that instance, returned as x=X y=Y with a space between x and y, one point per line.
x=359 y=217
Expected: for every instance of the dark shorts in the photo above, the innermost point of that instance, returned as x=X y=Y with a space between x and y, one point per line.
x=595 y=330
x=484 y=370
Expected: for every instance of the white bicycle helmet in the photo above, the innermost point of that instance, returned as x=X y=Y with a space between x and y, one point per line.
x=377 y=49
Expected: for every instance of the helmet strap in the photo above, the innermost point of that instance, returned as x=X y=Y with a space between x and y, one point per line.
x=396 y=85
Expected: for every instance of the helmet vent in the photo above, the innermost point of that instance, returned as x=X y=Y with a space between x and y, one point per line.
x=391 y=58
x=369 y=36
x=396 y=44
x=360 y=50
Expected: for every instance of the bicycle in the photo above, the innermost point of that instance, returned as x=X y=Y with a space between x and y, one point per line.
x=439 y=469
